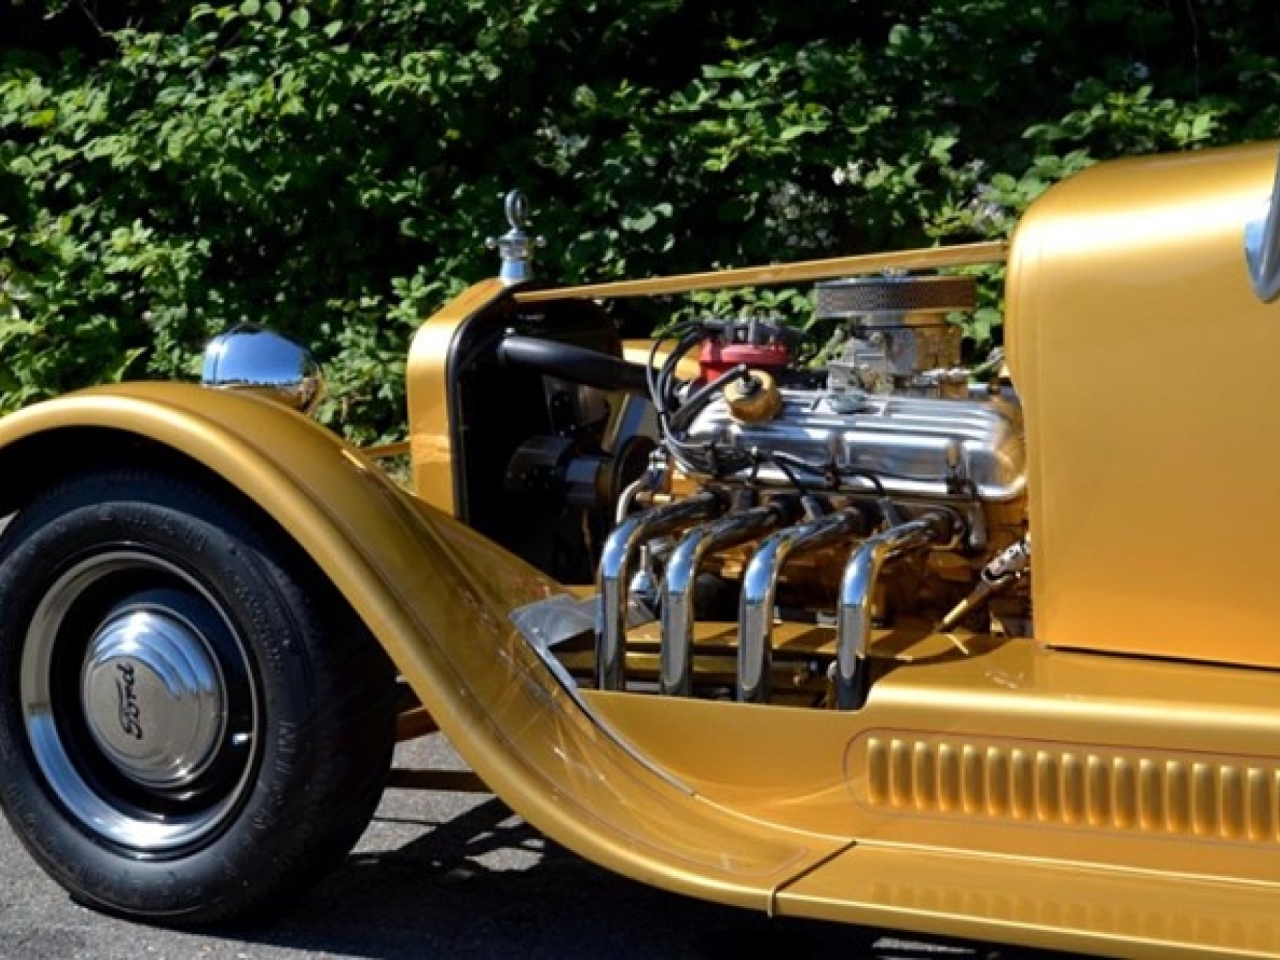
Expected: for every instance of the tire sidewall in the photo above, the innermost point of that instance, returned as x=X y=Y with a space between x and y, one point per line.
x=273 y=811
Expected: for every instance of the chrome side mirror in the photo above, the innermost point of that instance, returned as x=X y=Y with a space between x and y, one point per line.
x=263 y=363
x=1262 y=247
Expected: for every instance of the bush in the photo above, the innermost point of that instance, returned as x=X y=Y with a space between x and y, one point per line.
x=331 y=169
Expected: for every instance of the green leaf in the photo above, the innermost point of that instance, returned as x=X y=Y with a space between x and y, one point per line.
x=1202 y=126
x=940 y=148
x=641 y=224
x=794 y=131
x=117 y=371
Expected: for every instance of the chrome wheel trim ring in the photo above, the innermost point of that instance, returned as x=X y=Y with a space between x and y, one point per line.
x=140 y=795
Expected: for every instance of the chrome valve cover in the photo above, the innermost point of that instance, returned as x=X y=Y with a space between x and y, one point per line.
x=914 y=447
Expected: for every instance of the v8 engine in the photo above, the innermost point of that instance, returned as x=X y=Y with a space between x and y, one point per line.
x=875 y=487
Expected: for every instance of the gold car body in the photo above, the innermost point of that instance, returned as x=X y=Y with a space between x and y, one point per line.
x=1111 y=786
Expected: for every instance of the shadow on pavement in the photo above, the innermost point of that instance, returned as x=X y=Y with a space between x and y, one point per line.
x=483 y=884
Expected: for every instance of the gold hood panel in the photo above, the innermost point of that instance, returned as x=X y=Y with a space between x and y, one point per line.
x=437 y=597
x=1146 y=367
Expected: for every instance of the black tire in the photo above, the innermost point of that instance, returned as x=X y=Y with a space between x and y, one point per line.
x=192 y=724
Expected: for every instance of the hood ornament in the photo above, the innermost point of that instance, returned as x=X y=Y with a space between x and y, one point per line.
x=516 y=246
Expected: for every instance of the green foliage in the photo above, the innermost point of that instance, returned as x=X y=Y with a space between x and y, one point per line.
x=330 y=169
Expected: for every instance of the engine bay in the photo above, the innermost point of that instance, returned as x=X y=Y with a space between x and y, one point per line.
x=758 y=511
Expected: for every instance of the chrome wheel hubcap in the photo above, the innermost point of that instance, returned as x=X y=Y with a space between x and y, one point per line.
x=153 y=697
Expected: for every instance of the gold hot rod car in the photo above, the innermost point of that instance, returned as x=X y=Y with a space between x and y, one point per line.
x=859 y=639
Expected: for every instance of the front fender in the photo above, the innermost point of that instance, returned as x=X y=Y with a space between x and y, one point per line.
x=437 y=596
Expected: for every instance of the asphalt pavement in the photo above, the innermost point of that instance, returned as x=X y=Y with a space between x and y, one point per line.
x=454 y=875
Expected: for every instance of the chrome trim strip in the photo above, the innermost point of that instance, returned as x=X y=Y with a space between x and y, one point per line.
x=927 y=258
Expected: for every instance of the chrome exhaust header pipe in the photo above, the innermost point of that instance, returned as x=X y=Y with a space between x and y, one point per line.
x=614 y=576
x=759 y=591
x=857 y=587
x=676 y=653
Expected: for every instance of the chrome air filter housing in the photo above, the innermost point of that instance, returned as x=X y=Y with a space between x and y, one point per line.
x=896 y=338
